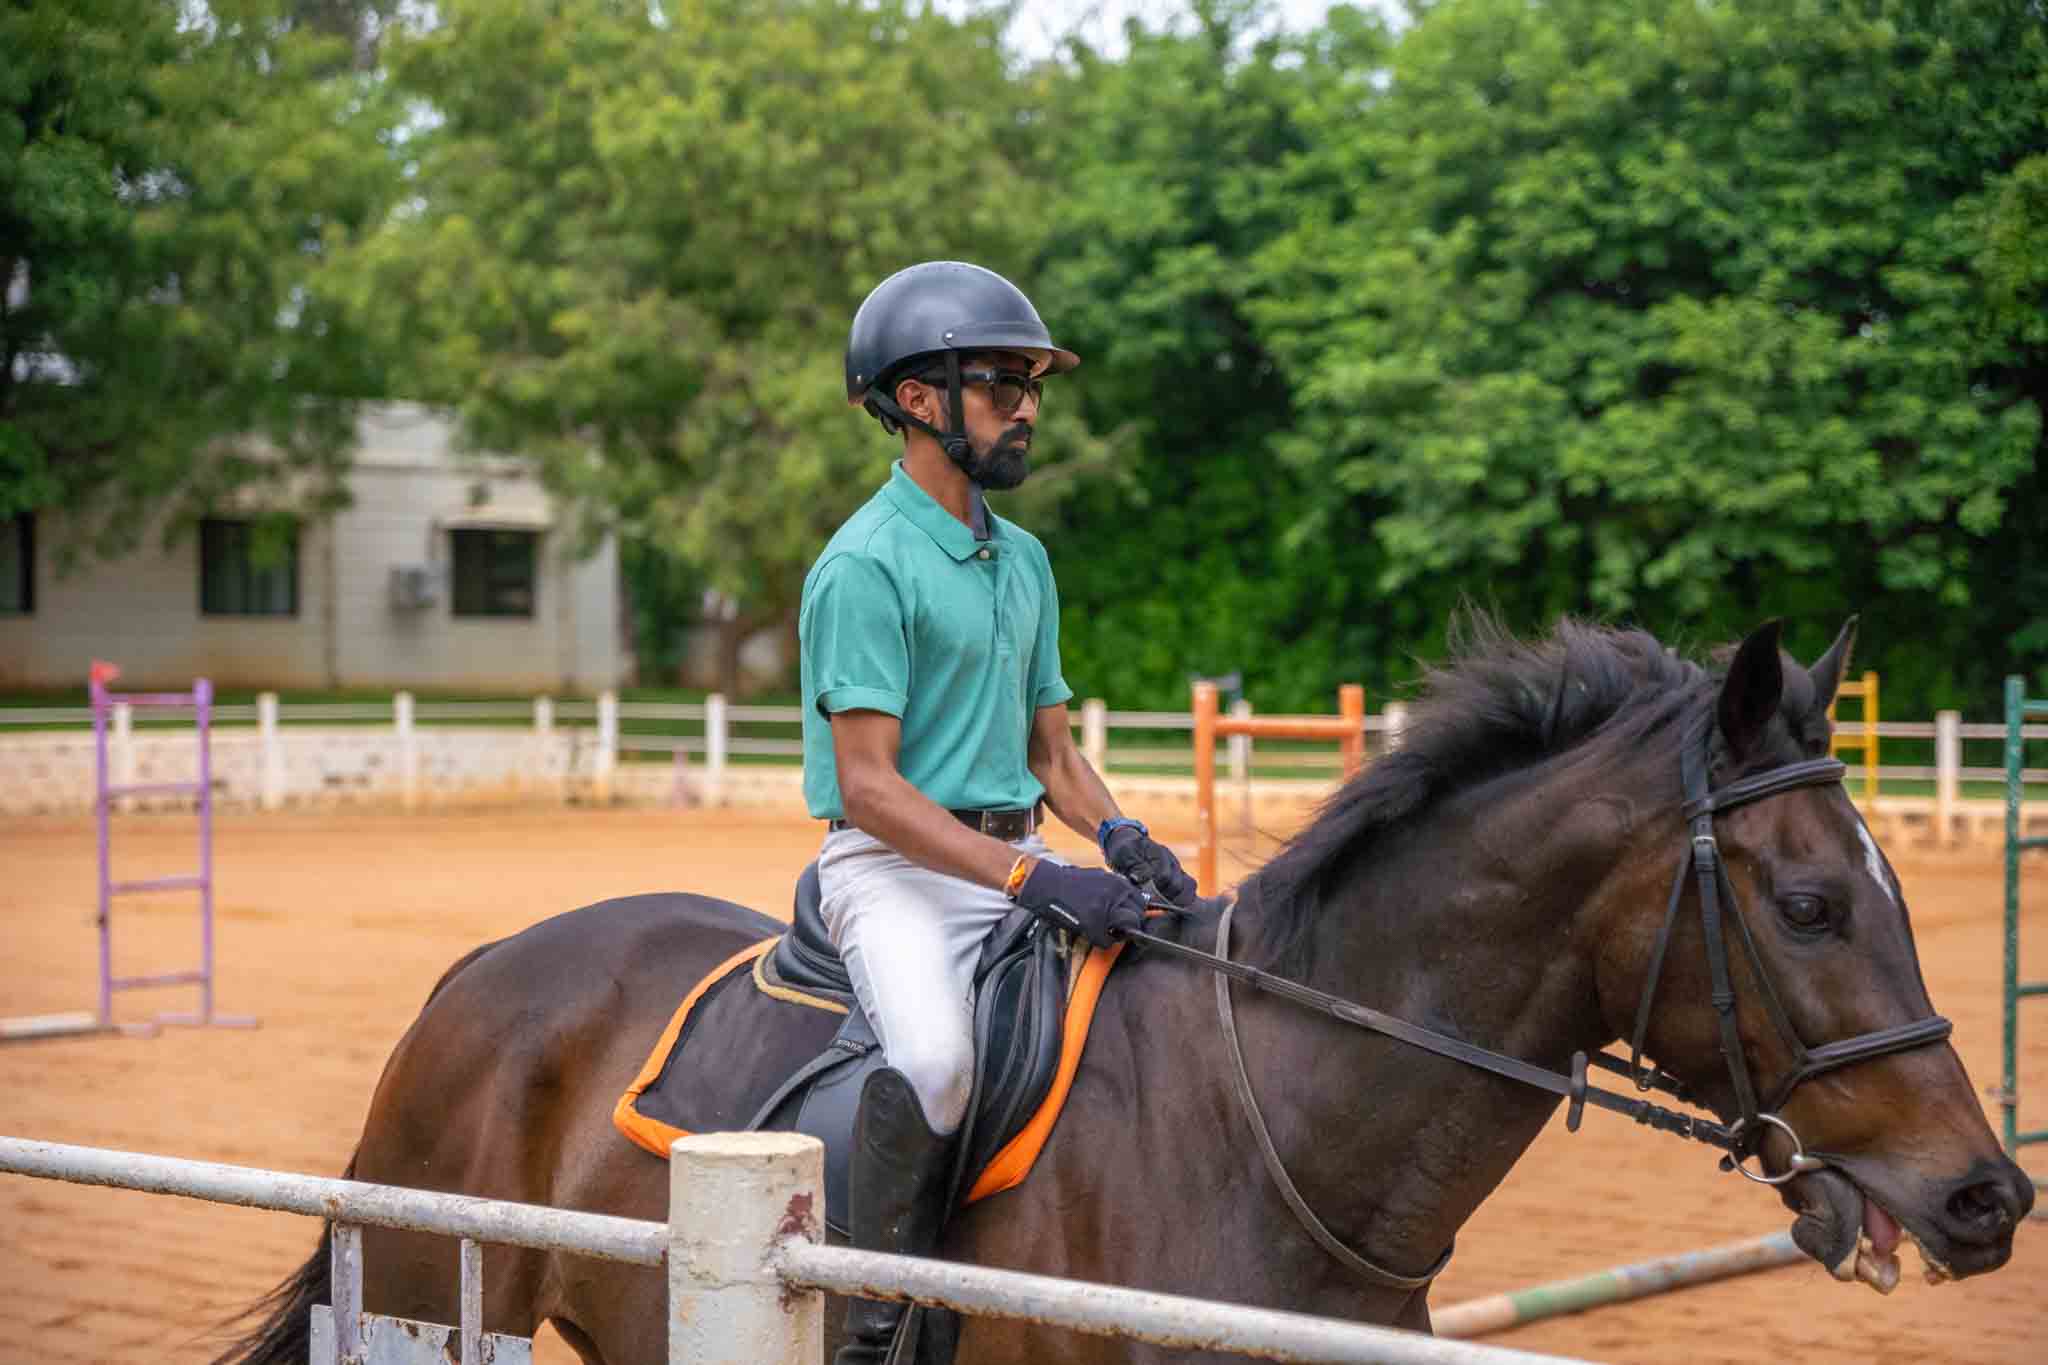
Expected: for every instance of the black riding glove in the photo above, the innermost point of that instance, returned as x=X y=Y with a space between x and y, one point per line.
x=1132 y=851
x=1082 y=900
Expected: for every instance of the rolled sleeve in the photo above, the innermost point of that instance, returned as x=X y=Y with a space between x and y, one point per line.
x=853 y=631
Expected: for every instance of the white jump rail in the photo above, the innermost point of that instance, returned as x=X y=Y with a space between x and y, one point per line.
x=742 y=1234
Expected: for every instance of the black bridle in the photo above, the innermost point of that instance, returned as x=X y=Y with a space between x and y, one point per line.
x=1739 y=1140
x=1710 y=874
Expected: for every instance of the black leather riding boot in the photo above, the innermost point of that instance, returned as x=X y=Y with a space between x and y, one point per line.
x=897 y=1190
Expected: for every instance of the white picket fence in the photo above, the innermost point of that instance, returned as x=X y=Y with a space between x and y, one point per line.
x=746 y=1269
x=413 y=753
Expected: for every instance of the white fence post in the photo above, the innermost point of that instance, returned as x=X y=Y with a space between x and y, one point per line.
x=717 y=727
x=269 y=753
x=1095 y=733
x=543 y=740
x=731 y=1197
x=1396 y=714
x=606 y=760
x=408 y=750
x=1241 y=765
x=1948 y=763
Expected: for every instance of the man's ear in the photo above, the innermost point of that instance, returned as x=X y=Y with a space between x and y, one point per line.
x=915 y=397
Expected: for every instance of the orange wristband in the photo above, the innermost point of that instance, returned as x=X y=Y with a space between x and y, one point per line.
x=1020 y=870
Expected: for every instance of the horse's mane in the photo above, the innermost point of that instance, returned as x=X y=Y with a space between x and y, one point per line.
x=1498 y=704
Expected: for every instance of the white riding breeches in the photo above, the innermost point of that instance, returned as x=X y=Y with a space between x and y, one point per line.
x=910 y=938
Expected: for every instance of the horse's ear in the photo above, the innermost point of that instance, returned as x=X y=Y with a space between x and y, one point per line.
x=1830 y=668
x=1751 y=691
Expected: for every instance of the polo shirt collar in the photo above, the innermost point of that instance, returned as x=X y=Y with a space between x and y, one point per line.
x=924 y=512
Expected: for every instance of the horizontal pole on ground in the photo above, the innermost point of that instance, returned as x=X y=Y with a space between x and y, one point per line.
x=1105 y=1310
x=349 y=1201
x=1496 y=1312
x=2033 y=988
x=51 y=1026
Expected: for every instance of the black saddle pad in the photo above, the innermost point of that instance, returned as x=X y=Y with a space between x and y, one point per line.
x=775 y=1039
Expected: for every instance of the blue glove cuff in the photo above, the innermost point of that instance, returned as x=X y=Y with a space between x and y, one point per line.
x=1115 y=823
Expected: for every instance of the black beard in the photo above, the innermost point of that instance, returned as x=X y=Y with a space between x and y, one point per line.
x=1005 y=464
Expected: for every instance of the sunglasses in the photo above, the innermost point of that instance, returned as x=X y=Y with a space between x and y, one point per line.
x=1006 y=388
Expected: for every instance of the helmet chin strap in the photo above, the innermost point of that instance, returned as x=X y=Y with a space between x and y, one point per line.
x=959 y=449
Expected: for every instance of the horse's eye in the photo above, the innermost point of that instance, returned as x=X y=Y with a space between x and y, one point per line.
x=1809 y=913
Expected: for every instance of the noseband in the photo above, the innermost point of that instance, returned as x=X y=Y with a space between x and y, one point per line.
x=1739 y=1141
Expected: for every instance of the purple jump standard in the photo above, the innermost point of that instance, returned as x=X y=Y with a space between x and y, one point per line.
x=200 y=699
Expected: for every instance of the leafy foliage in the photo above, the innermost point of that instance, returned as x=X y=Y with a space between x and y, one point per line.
x=649 y=285
x=1686 y=311
x=171 y=193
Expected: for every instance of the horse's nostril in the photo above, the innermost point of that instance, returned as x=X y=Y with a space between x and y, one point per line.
x=1986 y=1206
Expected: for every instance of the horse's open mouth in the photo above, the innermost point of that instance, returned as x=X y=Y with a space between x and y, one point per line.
x=1854 y=1236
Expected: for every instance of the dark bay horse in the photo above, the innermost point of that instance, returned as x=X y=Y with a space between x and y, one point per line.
x=1503 y=878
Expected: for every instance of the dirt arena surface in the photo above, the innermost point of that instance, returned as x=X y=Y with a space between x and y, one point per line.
x=334 y=926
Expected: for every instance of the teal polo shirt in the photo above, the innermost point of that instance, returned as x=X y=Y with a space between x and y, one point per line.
x=907 y=613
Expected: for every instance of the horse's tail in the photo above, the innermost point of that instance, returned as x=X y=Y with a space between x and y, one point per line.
x=284 y=1336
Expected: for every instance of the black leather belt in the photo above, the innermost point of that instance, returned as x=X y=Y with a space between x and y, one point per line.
x=1007 y=825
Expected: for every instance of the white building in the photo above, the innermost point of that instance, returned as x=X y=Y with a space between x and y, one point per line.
x=447 y=571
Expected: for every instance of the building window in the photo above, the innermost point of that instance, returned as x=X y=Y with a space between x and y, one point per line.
x=18 y=565
x=494 y=572
x=247 y=570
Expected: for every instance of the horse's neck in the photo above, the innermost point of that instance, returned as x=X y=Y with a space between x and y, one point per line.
x=1466 y=926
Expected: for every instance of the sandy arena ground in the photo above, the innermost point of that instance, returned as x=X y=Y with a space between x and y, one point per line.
x=333 y=927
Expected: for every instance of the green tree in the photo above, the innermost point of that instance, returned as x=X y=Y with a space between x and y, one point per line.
x=1689 y=312
x=1164 y=161
x=642 y=233
x=173 y=183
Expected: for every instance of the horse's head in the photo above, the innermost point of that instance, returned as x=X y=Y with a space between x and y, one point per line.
x=1818 y=952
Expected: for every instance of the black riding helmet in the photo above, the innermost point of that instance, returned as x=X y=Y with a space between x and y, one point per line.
x=939 y=309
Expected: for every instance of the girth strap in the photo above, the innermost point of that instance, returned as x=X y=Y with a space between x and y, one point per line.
x=1324 y=1238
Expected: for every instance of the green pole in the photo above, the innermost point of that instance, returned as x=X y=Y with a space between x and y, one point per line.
x=2009 y=1095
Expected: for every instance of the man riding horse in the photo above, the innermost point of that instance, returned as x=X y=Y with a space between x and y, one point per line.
x=936 y=732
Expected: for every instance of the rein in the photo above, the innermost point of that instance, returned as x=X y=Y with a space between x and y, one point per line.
x=1738 y=1141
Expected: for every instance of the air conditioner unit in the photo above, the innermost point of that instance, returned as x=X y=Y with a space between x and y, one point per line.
x=414 y=587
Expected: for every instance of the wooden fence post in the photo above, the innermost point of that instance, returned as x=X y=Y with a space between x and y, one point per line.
x=717 y=731
x=1241 y=766
x=408 y=750
x=1205 y=787
x=605 y=762
x=1948 y=764
x=269 y=754
x=1095 y=733
x=543 y=740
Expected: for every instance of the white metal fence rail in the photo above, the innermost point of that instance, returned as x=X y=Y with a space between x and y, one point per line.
x=742 y=1234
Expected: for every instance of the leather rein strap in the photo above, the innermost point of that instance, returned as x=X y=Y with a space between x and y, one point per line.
x=1738 y=1140
x=1367 y=1270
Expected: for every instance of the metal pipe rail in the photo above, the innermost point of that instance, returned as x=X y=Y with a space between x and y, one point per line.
x=1133 y=1314
x=744 y=1269
x=346 y=1201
